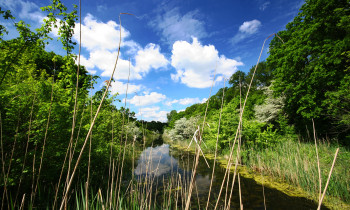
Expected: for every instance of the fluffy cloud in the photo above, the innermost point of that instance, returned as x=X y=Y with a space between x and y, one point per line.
x=195 y=64
x=97 y=35
x=146 y=59
x=150 y=57
x=102 y=39
x=247 y=29
x=173 y=26
x=250 y=27
x=120 y=87
x=184 y=101
x=153 y=113
x=105 y=61
x=147 y=99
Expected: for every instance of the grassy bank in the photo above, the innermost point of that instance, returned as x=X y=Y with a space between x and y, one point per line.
x=295 y=163
x=291 y=167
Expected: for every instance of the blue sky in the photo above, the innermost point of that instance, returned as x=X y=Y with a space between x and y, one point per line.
x=174 y=46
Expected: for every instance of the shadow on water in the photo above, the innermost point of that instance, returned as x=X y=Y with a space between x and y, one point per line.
x=167 y=169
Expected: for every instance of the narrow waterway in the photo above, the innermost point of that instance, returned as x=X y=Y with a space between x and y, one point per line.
x=166 y=168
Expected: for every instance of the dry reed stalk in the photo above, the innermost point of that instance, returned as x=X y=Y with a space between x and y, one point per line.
x=262 y=181
x=133 y=167
x=329 y=177
x=75 y=101
x=227 y=186
x=110 y=161
x=233 y=180
x=241 y=114
x=318 y=163
x=45 y=137
x=240 y=195
x=126 y=136
x=74 y=116
x=80 y=124
x=197 y=153
x=101 y=199
x=3 y=166
x=26 y=152
x=111 y=190
x=89 y=161
x=91 y=126
x=22 y=203
x=9 y=167
x=144 y=187
x=33 y=176
x=216 y=146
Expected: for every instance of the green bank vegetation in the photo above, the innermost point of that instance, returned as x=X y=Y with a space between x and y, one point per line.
x=46 y=116
x=46 y=112
x=305 y=79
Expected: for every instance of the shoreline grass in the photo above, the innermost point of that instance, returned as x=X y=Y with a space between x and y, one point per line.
x=291 y=168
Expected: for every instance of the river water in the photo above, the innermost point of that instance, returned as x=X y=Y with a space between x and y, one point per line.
x=167 y=168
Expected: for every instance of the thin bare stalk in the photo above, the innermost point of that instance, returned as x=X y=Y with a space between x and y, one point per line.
x=45 y=137
x=101 y=199
x=262 y=182
x=33 y=176
x=216 y=146
x=3 y=166
x=188 y=201
x=22 y=203
x=241 y=117
x=88 y=173
x=93 y=122
x=71 y=153
x=126 y=138
x=110 y=176
x=318 y=163
x=329 y=177
x=240 y=194
x=9 y=167
x=26 y=152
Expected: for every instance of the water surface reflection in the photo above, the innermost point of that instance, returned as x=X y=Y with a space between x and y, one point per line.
x=165 y=168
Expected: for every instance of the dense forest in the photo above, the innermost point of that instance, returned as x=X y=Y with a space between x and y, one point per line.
x=49 y=136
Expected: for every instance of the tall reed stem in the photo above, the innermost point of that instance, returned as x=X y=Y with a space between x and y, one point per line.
x=216 y=146
x=329 y=177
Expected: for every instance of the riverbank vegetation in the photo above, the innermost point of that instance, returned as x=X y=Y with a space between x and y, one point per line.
x=46 y=113
x=61 y=146
x=302 y=87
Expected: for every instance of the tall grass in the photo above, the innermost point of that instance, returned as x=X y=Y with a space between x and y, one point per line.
x=294 y=162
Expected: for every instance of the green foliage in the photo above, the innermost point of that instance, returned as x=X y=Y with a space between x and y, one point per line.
x=311 y=63
x=58 y=11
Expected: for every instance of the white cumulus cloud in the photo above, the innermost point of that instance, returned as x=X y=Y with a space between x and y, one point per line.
x=195 y=64
x=120 y=87
x=184 y=101
x=247 y=29
x=147 y=99
x=150 y=57
x=97 y=35
x=102 y=40
x=153 y=113
x=250 y=27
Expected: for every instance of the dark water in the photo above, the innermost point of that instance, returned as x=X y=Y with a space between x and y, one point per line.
x=163 y=164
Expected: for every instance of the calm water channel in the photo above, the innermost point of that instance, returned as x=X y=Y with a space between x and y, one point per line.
x=163 y=164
